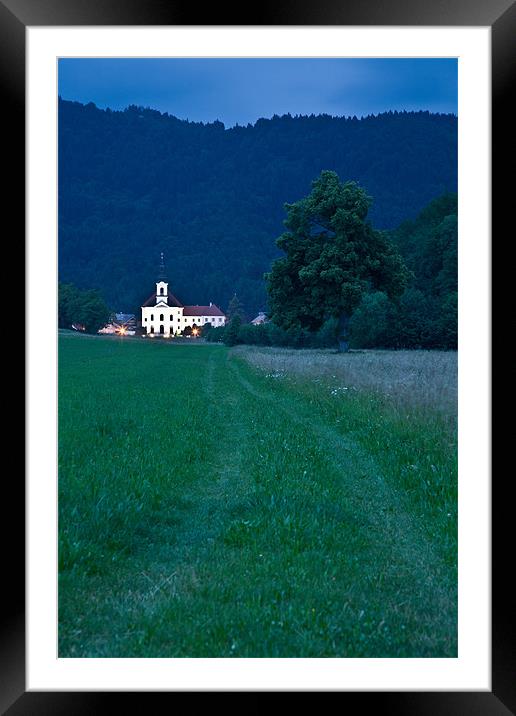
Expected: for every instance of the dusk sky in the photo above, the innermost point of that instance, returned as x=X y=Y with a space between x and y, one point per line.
x=242 y=90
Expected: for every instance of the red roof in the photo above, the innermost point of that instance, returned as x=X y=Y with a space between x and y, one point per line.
x=171 y=300
x=212 y=310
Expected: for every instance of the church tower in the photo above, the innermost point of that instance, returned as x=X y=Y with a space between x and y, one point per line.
x=162 y=284
x=164 y=315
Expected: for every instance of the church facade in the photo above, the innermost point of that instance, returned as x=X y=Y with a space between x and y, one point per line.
x=164 y=315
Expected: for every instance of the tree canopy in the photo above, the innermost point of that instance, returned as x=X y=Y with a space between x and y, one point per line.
x=235 y=308
x=86 y=308
x=426 y=314
x=333 y=256
x=231 y=333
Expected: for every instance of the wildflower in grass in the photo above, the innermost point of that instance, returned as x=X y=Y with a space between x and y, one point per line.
x=336 y=391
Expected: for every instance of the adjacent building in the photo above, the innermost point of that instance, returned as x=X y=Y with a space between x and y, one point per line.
x=122 y=324
x=260 y=318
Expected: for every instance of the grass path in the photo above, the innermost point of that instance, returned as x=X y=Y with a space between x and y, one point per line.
x=207 y=510
x=386 y=518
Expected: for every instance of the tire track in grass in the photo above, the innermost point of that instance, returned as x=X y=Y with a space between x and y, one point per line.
x=140 y=597
x=225 y=468
x=208 y=495
x=379 y=507
x=205 y=515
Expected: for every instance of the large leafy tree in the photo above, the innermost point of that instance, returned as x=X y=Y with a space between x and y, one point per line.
x=333 y=257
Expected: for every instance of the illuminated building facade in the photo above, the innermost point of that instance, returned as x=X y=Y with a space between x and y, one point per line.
x=164 y=315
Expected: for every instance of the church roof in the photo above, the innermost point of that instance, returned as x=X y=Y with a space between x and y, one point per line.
x=171 y=300
x=212 y=310
x=124 y=317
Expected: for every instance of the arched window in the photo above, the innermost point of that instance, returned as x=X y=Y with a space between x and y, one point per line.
x=162 y=329
x=161 y=291
x=151 y=329
x=161 y=317
x=152 y=316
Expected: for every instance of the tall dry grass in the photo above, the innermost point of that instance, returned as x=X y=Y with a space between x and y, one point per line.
x=409 y=379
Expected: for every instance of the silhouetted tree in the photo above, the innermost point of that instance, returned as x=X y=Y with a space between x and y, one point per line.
x=235 y=308
x=333 y=257
x=85 y=307
x=231 y=334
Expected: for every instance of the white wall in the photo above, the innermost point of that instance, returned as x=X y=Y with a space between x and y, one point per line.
x=178 y=322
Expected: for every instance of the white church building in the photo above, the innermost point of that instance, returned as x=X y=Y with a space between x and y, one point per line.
x=164 y=315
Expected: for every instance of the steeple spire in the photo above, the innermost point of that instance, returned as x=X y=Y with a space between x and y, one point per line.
x=162 y=276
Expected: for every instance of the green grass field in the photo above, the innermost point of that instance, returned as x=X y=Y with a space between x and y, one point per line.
x=255 y=502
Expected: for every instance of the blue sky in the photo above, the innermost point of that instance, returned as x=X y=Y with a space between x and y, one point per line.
x=241 y=90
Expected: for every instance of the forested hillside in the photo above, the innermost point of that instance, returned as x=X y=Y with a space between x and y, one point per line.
x=425 y=316
x=137 y=182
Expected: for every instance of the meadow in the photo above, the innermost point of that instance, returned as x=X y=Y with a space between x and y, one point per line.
x=255 y=502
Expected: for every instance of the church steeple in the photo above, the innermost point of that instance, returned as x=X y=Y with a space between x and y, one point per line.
x=162 y=283
x=162 y=275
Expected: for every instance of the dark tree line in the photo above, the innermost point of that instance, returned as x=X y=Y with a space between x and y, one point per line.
x=137 y=182
x=426 y=314
x=84 y=308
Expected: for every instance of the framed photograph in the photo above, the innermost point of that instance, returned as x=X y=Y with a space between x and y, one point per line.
x=180 y=534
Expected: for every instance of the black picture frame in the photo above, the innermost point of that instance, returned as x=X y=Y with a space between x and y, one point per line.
x=15 y=16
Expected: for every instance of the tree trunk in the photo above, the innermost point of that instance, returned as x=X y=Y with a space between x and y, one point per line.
x=342 y=333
